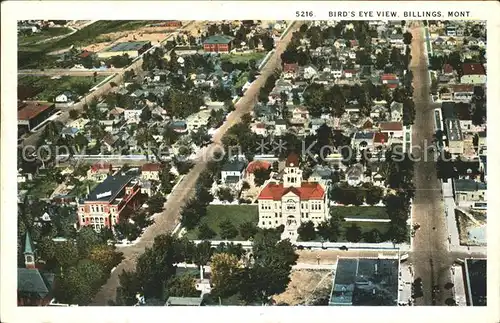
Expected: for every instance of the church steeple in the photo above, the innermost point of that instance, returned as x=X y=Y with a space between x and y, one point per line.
x=29 y=255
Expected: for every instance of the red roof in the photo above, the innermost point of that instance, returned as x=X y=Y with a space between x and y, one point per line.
x=462 y=88
x=151 y=167
x=292 y=160
x=290 y=67
x=367 y=125
x=100 y=166
x=350 y=72
x=391 y=126
x=354 y=42
x=389 y=76
x=85 y=53
x=381 y=137
x=473 y=69
x=447 y=68
x=308 y=191
x=31 y=110
x=257 y=164
x=392 y=85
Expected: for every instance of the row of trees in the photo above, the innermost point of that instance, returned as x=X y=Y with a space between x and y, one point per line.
x=367 y=193
x=333 y=231
x=232 y=274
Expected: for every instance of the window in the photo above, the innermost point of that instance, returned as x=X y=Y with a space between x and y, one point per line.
x=269 y=222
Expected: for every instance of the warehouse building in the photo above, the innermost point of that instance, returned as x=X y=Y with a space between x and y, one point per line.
x=32 y=114
x=132 y=49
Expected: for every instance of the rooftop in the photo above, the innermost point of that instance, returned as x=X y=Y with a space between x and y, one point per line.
x=218 y=39
x=151 y=167
x=475 y=271
x=109 y=189
x=473 y=69
x=365 y=282
x=127 y=46
x=31 y=110
x=307 y=191
x=184 y=301
x=233 y=166
x=468 y=185
x=34 y=282
x=391 y=126
x=453 y=130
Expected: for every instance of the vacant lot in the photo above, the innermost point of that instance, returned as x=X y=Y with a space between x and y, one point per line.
x=306 y=287
x=46 y=88
x=361 y=212
x=237 y=214
x=31 y=38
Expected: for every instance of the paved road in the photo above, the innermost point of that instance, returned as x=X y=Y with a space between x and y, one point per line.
x=167 y=221
x=69 y=72
x=430 y=256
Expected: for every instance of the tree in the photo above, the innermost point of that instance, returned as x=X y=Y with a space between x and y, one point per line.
x=306 y=231
x=106 y=256
x=227 y=230
x=86 y=240
x=155 y=203
x=248 y=230
x=79 y=284
x=202 y=253
x=373 y=194
x=261 y=175
x=372 y=236
x=225 y=194
x=205 y=232
x=182 y=286
x=67 y=254
x=74 y=114
x=353 y=233
x=130 y=285
x=407 y=38
x=224 y=273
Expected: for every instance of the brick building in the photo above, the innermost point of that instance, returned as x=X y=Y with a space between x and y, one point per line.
x=117 y=196
x=32 y=114
x=218 y=44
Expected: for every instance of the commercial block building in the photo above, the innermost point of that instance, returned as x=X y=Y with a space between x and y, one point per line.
x=132 y=49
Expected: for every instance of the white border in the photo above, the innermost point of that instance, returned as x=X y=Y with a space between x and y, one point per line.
x=190 y=10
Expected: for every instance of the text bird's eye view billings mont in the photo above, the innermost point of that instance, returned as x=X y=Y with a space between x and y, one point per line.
x=251 y=162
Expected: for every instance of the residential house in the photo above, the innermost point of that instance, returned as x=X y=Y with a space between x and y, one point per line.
x=396 y=40
x=111 y=142
x=151 y=171
x=315 y=124
x=292 y=201
x=363 y=139
x=103 y=207
x=473 y=73
x=34 y=286
x=390 y=80
x=393 y=128
x=233 y=171
x=290 y=71
x=377 y=111
x=280 y=127
x=99 y=171
x=198 y=120
x=396 y=111
x=179 y=126
x=309 y=72
x=380 y=140
x=133 y=115
x=448 y=70
x=462 y=92
x=65 y=99
x=79 y=123
x=350 y=73
x=354 y=175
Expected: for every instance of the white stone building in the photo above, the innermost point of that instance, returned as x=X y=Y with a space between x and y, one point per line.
x=292 y=201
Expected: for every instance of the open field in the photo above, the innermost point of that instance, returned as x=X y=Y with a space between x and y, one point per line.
x=361 y=212
x=216 y=214
x=25 y=39
x=45 y=88
x=306 y=286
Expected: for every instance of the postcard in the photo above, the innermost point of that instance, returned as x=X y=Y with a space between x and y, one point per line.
x=241 y=156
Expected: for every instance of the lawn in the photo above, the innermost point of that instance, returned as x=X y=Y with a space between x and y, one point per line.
x=244 y=57
x=242 y=80
x=216 y=214
x=42 y=35
x=361 y=212
x=48 y=88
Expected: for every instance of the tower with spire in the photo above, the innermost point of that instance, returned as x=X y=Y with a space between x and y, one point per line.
x=29 y=255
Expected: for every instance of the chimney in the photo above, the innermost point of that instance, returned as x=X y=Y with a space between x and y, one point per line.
x=201 y=272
